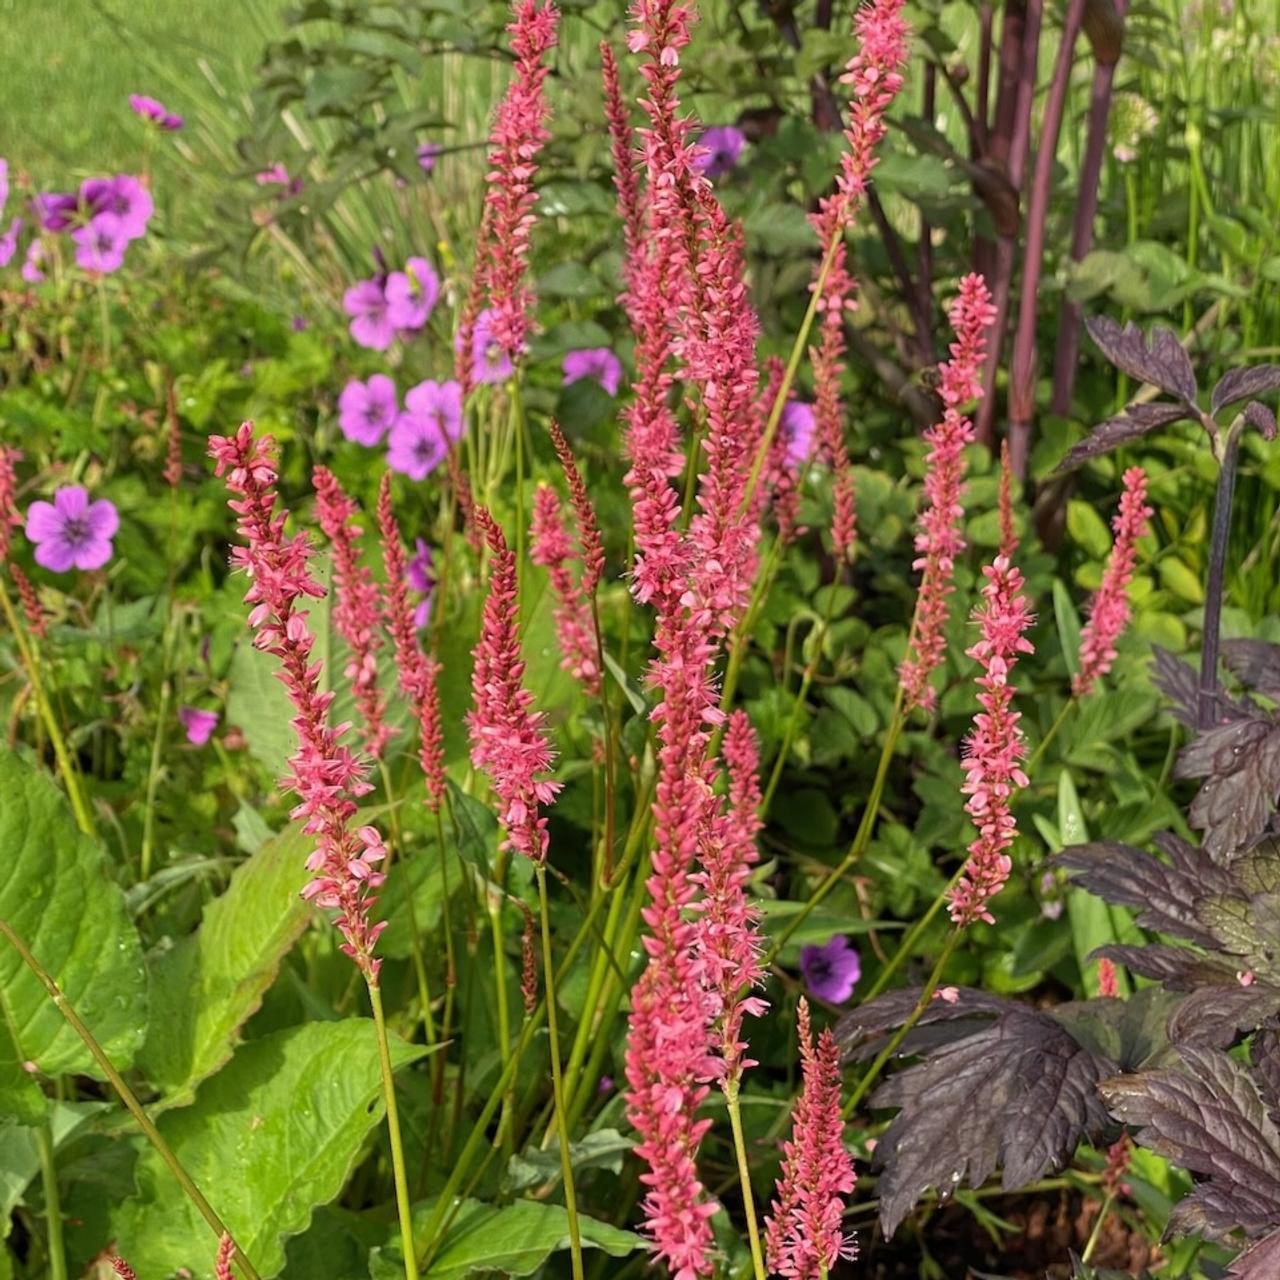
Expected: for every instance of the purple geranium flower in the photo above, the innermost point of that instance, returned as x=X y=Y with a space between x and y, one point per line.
x=72 y=532
x=427 y=155
x=156 y=112
x=489 y=362
x=368 y=410
x=412 y=293
x=54 y=210
x=371 y=323
x=422 y=580
x=594 y=362
x=719 y=150
x=124 y=197
x=100 y=246
x=415 y=446
x=198 y=724
x=832 y=970
x=798 y=424
x=278 y=176
x=439 y=403
x=9 y=242
x=31 y=272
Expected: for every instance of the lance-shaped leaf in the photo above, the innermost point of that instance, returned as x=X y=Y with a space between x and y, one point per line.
x=1208 y=1116
x=1161 y=360
x=1240 y=384
x=1256 y=663
x=269 y=1138
x=1020 y=1094
x=1262 y=417
x=57 y=894
x=207 y=986
x=1240 y=763
x=1136 y=421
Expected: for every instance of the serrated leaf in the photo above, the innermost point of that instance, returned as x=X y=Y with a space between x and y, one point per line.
x=1256 y=663
x=1159 y=360
x=211 y=982
x=1020 y=1094
x=1208 y=1116
x=269 y=1138
x=1134 y=423
x=511 y=1240
x=57 y=894
x=1239 y=384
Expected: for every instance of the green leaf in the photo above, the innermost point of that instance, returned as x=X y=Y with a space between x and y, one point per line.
x=20 y=1156
x=537 y=1166
x=1183 y=581
x=1088 y=529
x=569 y=280
x=511 y=1240
x=269 y=1138
x=1068 y=626
x=210 y=983
x=1094 y=923
x=57 y=894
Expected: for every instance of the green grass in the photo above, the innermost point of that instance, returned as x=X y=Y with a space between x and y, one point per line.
x=67 y=68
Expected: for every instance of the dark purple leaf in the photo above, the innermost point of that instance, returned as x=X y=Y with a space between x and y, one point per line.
x=1165 y=894
x=1241 y=764
x=1261 y=417
x=1162 y=362
x=1214 y=1016
x=1265 y=1055
x=1133 y=423
x=1261 y=1262
x=1180 y=683
x=862 y=1031
x=1020 y=1094
x=1255 y=663
x=1179 y=968
x=1251 y=380
x=1208 y=1116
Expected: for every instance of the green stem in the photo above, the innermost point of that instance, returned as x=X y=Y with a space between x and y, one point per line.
x=557 y=1085
x=404 y=1206
x=1038 y=754
x=126 y=1095
x=494 y=904
x=744 y=1176
x=914 y=935
x=66 y=766
x=1096 y=1234
x=926 y=994
x=52 y=1203
x=153 y=785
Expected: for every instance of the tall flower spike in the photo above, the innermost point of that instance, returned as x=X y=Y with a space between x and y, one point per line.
x=624 y=158
x=995 y=747
x=31 y=606
x=803 y=1235
x=550 y=547
x=10 y=516
x=326 y=775
x=356 y=611
x=939 y=539
x=589 y=539
x=507 y=739
x=123 y=1269
x=222 y=1264
x=417 y=670
x=828 y=365
x=519 y=132
x=1109 y=613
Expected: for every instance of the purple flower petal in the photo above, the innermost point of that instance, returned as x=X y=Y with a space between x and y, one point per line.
x=832 y=970
x=719 y=150
x=198 y=724
x=367 y=410
x=594 y=362
x=71 y=532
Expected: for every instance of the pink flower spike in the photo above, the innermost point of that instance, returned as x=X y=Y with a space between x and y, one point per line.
x=549 y=546
x=1109 y=612
x=326 y=776
x=123 y=1269
x=939 y=539
x=222 y=1264
x=994 y=748
x=803 y=1233
x=356 y=612
x=507 y=738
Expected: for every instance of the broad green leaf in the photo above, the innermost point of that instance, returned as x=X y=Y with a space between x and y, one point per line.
x=1088 y=529
x=1068 y=626
x=510 y=1240
x=57 y=894
x=269 y=1138
x=538 y=1166
x=20 y=1156
x=211 y=982
x=1094 y=923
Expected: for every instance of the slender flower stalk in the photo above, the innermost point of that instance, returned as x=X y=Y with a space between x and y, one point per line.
x=417 y=671
x=326 y=775
x=624 y=160
x=939 y=538
x=995 y=747
x=356 y=611
x=589 y=540
x=827 y=359
x=550 y=547
x=1110 y=610
x=803 y=1235
x=518 y=135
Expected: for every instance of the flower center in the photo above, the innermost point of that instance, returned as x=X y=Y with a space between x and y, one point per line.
x=76 y=531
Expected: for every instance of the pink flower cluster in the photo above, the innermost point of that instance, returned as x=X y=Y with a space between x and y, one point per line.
x=10 y=516
x=519 y=132
x=417 y=670
x=939 y=538
x=1109 y=614
x=551 y=547
x=507 y=739
x=803 y=1235
x=994 y=748
x=327 y=777
x=828 y=365
x=356 y=611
